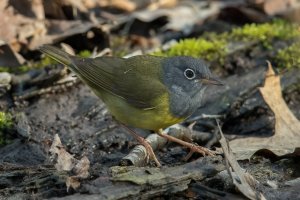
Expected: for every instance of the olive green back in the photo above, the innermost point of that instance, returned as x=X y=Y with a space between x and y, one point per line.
x=138 y=79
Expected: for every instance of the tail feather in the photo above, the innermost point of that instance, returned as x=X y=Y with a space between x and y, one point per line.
x=57 y=54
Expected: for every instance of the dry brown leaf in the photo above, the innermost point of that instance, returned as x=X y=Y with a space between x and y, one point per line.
x=89 y=4
x=287 y=127
x=9 y=24
x=16 y=29
x=272 y=7
x=183 y=16
x=81 y=170
x=126 y=5
x=72 y=182
x=66 y=162
x=245 y=183
x=162 y=4
x=130 y=5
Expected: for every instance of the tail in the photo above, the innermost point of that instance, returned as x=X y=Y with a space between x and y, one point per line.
x=57 y=54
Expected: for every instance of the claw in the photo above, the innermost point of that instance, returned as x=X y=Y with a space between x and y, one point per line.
x=193 y=148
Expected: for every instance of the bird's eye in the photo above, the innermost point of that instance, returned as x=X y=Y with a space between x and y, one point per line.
x=189 y=73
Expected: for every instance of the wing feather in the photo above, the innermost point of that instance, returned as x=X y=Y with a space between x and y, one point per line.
x=136 y=79
x=130 y=79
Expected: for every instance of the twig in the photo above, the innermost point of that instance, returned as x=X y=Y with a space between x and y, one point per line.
x=243 y=181
x=47 y=90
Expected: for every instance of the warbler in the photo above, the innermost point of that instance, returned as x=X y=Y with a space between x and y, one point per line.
x=144 y=91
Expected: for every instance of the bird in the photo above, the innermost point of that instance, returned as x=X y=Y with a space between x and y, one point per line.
x=144 y=91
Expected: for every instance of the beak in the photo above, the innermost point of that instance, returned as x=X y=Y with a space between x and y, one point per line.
x=211 y=81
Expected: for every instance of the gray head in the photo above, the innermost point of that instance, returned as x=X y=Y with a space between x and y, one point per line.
x=186 y=78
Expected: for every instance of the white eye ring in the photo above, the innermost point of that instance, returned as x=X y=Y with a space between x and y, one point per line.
x=189 y=74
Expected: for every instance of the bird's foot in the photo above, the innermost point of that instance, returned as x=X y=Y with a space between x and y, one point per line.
x=198 y=149
x=150 y=153
x=193 y=147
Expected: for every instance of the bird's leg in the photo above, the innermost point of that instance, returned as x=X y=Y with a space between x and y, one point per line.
x=193 y=148
x=142 y=141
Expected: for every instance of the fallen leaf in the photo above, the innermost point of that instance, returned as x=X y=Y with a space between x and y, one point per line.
x=30 y=29
x=17 y=29
x=72 y=182
x=66 y=162
x=287 y=127
x=162 y=4
x=245 y=183
x=10 y=23
x=130 y=5
x=275 y=6
x=81 y=169
x=183 y=16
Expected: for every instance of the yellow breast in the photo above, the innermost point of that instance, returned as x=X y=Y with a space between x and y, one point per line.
x=151 y=119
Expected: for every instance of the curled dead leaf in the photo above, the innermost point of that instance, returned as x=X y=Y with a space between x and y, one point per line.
x=245 y=183
x=286 y=139
x=72 y=182
x=66 y=162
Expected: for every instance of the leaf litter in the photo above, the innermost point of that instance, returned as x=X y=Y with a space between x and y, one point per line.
x=286 y=139
x=66 y=162
x=245 y=183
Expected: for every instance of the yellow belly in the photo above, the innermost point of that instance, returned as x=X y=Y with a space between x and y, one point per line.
x=151 y=119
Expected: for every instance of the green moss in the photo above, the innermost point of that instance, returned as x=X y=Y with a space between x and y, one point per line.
x=265 y=33
x=38 y=65
x=5 y=120
x=25 y=68
x=289 y=57
x=212 y=46
x=5 y=123
x=4 y=69
x=209 y=50
x=85 y=54
x=46 y=61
